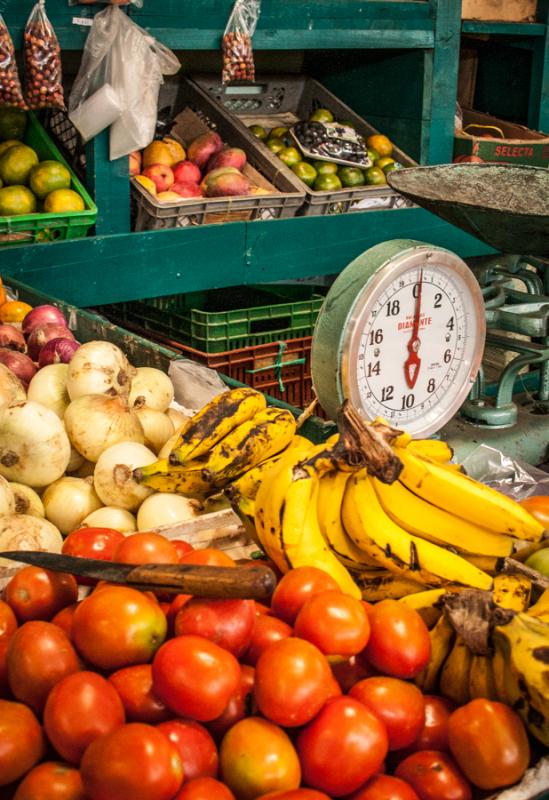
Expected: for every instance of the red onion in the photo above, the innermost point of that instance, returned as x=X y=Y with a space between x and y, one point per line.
x=41 y=336
x=19 y=364
x=12 y=338
x=57 y=351
x=43 y=315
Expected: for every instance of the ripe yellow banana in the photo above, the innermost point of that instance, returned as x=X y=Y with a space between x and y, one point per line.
x=541 y=608
x=266 y=434
x=247 y=485
x=454 y=678
x=376 y=585
x=481 y=678
x=394 y=548
x=245 y=508
x=467 y=498
x=213 y=422
x=423 y=519
x=442 y=637
x=163 y=477
x=435 y=449
x=427 y=604
x=512 y=591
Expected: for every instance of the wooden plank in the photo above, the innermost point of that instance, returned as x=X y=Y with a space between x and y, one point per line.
x=503 y=28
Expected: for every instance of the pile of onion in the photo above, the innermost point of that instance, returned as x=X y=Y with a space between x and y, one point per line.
x=11 y=338
x=95 y=422
x=99 y=368
x=40 y=316
x=57 y=351
x=12 y=391
x=19 y=364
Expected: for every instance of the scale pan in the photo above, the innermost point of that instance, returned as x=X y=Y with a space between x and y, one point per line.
x=505 y=206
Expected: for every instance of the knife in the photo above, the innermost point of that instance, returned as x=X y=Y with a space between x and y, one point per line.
x=250 y=583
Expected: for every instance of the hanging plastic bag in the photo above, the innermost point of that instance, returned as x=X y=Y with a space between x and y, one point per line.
x=238 y=54
x=43 y=71
x=121 y=54
x=11 y=93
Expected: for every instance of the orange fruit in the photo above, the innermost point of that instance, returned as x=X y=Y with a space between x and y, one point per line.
x=61 y=201
x=16 y=164
x=16 y=200
x=381 y=143
x=48 y=176
x=5 y=146
x=14 y=311
x=3 y=296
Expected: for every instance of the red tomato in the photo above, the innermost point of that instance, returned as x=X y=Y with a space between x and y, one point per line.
x=36 y=593
x=228 y=623
x=538 y=507
x=195 y=746
x=204 y=789
x=79 y=709
x=182 y=547
x=434 y=776
x=64 y=618
x=21 y=741
x=296 y=587
x=239 y=706
x=293 y=680
x=342 y=747
x=258 y=757
x=335 y=622
x=350 y=671
x=261 y=609
x=399 y=705
x=98 y=543
x=135 y=689
x=8 y=622
x=195 y=677
x=295 y=794
x=134 y=762
x=489 y=743
x=434 y=735
x=4 y=683
x=266 y=631
x=399 y=642
x=146 y=548
x=175 y=607
x=385 y=787
x=115 y=627
x=39 y=656
x=51 y=781
x=209 y=556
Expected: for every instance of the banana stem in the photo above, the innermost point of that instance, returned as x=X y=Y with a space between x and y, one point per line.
x=473 y=615
x=367 y=445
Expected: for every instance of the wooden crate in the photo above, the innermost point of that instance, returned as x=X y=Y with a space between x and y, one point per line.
x=500 y=10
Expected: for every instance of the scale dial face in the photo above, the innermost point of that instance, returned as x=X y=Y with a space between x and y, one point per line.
x=414 y=340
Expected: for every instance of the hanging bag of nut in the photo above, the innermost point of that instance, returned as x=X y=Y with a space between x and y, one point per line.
x=43 y=73
x=11 y=93
x=238 y=54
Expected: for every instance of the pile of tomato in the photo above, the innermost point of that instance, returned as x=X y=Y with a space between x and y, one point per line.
x=123 y=695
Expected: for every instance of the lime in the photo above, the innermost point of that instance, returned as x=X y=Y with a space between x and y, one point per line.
x=47 y=176
x=373 y=155
x=16 y=200
x=290 y=156
x=13 y=123
x=16 y=165
x=375 y=176
x=275 y=145
x=5 y=146
x=384 y=162
x=279 y=133
x=327 y=183
x=391 y=167
x=258 y=131
x=306 y=172
x=325 y=167
x=381 y=143
x=351 y=176
x=321 y=115
x=61 y=201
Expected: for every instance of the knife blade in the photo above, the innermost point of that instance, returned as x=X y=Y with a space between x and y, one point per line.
x=253 y=583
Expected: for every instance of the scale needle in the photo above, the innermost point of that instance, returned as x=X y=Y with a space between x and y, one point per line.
x=413 y=362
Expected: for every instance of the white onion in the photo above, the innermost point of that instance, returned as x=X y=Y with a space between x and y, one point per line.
x=165 y=509
x=27 y=501
x=99 y=368
x=12 y=391
x=113 y=478
x=178 y=418
x=68 y=501
x=156 y=427
x=49 y=387
x=152 y=388
x=111 y=517
x=85 y=470
x=7 y=499
x=96 y=422
x=167 y=448
x=34 y=446
x=76 y=462
x=23 y=532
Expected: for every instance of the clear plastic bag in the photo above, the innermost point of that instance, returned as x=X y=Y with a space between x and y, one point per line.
x=120 y=53
x=43 y=71
x=11 y=93
x=513 y=478
x=238 y=54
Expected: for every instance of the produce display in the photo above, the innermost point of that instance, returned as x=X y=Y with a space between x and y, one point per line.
x=310 y=137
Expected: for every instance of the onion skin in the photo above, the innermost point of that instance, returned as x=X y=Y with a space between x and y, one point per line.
x=41 y=336
x=57 y=351
x=24 y=532
x=99 y=368
x=48 y=388
x=12 y=391
x=119 y=519
x=18 y=363
x=12 y=339
x=97 y=422
x=43 y=315
x=113 y=477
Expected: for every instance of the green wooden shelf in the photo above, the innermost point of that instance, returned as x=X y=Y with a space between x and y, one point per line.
x=504 y=28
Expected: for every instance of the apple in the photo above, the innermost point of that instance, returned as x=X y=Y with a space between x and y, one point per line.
x=161 y=175
x=187 y=189
x=135 y=163
x=187 y=172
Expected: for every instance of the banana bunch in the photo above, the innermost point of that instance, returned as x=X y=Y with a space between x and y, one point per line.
x=228 y=438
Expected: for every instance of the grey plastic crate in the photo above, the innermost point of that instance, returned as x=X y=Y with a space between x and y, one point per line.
x=282 y=203
x=283 y=100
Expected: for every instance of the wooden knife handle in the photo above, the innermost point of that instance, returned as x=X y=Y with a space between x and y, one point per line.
x=248 y=583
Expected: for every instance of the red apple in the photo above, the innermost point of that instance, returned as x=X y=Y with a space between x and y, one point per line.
x=135 y=163
x=187 y=189
x=187 y=172
x=161 y=175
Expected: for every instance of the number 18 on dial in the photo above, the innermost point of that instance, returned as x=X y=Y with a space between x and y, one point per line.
x=401 y=335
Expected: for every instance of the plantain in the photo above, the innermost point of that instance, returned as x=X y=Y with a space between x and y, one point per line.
x=455 y=674
x=247 y=485
x=381 y=584
x=163 y=477
x=442 y=637
x=482 y=681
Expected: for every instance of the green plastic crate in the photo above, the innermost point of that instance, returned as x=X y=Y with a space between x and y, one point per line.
x=228 y=319
x=42 y=227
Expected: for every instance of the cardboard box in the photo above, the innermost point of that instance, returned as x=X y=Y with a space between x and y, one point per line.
x=492 y=139
x=500 y=10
